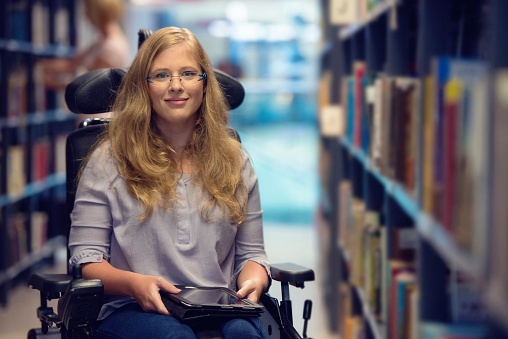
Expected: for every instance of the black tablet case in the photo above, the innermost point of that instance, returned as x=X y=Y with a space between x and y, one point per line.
x=185 y=312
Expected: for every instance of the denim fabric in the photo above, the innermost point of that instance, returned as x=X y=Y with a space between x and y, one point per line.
x=131 y=321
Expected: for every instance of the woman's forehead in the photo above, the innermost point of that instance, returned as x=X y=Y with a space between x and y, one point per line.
x=176 y=56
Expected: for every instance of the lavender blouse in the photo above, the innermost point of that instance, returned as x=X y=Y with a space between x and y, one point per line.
x=177 y=244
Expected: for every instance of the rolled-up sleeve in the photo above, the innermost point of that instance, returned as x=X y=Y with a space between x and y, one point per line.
x=249 y=239
x=90 y=234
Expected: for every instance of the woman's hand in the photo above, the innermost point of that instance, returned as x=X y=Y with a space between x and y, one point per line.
x=145 y=289
x=250 y=290
x=252 y=280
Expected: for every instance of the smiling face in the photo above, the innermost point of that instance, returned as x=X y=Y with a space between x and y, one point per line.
x=175 y=101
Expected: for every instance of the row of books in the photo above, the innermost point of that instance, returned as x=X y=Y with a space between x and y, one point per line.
x=43 y=160
x=430 y=136
x=25 y=234
x=21 y=15
x=20 y=86
x=381 y=263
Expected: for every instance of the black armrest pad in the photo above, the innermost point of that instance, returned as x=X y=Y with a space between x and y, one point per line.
x=53 y=283
x=292 y=273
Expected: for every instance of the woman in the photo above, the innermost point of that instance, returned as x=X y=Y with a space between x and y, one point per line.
x=109 y=50
x=168 y=197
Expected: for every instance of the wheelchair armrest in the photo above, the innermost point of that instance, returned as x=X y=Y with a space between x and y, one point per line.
x=291 y=273
x=81 y=303
x=50 y=283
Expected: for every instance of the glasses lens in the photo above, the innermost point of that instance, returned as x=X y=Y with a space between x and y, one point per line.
x=188 y=76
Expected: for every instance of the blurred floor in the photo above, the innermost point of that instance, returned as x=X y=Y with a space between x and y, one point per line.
x=285 y=159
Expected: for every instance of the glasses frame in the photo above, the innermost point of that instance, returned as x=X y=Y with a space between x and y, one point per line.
x=149 y=78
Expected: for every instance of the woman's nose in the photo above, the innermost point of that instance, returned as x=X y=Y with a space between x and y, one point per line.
x=175 y=83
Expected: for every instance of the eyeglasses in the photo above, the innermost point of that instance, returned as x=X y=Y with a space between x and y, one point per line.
x=187 y=76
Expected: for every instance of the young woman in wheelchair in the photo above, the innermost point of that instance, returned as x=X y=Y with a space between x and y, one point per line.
x=168 y=197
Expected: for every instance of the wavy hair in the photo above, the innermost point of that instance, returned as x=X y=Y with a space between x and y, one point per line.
x=148 y=164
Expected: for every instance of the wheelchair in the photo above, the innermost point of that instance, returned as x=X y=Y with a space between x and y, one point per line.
x=80 y=300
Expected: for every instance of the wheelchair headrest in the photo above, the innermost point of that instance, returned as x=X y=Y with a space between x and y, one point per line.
x=95 y=91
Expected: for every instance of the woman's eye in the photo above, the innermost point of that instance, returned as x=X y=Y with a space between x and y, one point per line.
x=189 y=74
x=162 y=75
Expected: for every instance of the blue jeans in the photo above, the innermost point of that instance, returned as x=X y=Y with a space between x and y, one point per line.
x=131 y=321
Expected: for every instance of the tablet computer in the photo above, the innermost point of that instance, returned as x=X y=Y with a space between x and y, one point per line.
x=197 y=301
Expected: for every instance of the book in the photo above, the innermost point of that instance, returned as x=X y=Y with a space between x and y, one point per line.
x=354 y=242
x=404 y=285
x=471 y=127
x=41 y=153
x=61 y=32
x=17 y=14
x=344 y=211
x=349 y=89
x=17 y=237
x=369 y=96
x=17 y=92
x=427 y=165
x=472 y=161
x=38 y=230
x=40 y=27
x=16 y=177
x=372 y=260
x=331 y=120
x=497 y=251
x=403 y=131
x=400 y=274
x=59 y=152
x=359 y=68
x=377 y=118
x=39 y=88
x=451 y=103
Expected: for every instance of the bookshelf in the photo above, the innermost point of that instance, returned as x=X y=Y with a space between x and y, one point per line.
x=33 y=126
x=414 y=181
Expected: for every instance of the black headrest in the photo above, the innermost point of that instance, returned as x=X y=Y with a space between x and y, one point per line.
x=95 y=91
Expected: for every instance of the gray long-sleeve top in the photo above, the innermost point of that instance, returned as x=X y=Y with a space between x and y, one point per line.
x=177 y=244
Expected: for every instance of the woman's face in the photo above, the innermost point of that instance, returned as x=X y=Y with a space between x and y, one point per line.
x=175 y=99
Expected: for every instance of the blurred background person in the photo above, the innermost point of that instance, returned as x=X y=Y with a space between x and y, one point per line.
x=109 y=50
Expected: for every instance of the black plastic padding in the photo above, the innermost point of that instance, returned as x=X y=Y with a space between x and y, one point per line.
x=95 y=91
x=81 y=303
x=232 y=88
x=79 y=144
x=291 y=273
x=49 y=283
x=143 y=34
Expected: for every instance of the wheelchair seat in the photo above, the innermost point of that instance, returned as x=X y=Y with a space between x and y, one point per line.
x=80 y=300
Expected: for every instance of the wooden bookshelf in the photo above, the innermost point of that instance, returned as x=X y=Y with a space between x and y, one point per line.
x=421 y=87
x=33 y=122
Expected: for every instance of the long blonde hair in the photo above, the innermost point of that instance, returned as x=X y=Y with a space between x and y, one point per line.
x=148 y=164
